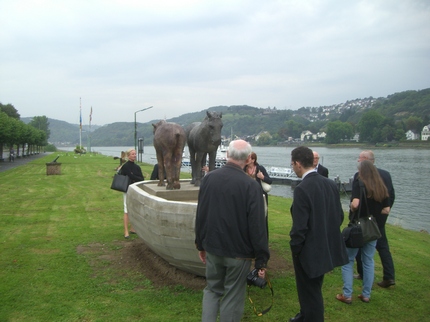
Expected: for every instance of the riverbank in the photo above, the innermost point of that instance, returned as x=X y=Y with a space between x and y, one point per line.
x=64 y=258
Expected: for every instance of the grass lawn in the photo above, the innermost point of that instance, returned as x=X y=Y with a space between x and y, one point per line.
x=46 y=220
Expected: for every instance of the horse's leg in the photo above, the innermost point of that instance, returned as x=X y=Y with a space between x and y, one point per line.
x=199 y=161
x=212 y=156
x=168 y=166
x=193 y=164
x=176 y=167
x=160 y=161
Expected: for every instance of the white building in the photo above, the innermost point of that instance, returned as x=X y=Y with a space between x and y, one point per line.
x=425 y=133
x=411 y=135
x=306 y=135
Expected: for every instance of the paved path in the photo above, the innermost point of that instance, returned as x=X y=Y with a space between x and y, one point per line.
x=6 y=165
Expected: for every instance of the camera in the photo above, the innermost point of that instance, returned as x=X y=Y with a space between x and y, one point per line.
x=253 y=279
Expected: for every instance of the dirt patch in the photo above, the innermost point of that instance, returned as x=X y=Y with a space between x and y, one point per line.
x=133 y=255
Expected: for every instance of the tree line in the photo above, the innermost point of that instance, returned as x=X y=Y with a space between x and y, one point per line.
x=27 y=138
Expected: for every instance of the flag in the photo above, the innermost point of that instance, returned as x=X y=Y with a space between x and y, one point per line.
x=91 y=113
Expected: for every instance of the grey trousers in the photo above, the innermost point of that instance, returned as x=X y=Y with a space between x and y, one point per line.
x=225 y=289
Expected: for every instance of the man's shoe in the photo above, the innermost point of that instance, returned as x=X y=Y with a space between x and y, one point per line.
x=386 y=283
x=358 y=277
x=298 y=318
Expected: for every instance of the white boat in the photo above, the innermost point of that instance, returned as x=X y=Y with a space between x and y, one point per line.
x=278 y=172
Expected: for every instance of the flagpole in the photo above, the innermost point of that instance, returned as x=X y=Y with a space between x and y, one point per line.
x=89 y=134
x=80 y=124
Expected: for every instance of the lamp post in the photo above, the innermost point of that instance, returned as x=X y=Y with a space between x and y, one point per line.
x=135 y=125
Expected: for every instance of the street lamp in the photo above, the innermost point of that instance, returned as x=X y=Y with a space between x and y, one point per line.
x=135 y=125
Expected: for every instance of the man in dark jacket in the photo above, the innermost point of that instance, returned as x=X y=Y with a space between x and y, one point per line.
x=316 y=242
x=230 y=232
x=322 y=170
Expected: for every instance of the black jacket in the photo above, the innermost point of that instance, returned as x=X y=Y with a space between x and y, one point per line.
x=317 y=216
x=230 y=219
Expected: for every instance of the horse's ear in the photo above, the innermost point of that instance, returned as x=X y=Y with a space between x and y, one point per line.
x=154 y=125
x=220 y=115
x=208 y=114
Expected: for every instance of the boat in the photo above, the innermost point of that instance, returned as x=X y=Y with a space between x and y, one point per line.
x=165 y=220
x=280 y=175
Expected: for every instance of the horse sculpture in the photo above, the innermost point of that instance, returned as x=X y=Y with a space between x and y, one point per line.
x=203 y=138
x=169 y=142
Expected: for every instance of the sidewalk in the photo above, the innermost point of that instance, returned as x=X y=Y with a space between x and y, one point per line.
x=6 y=165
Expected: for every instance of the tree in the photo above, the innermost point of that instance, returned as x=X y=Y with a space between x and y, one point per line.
x=369 y=126
x=414 y=123
x=41 y=123
x=338 y=131
x=10 y=111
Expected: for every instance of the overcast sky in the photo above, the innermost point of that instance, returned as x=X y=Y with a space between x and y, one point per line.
x=180 y=56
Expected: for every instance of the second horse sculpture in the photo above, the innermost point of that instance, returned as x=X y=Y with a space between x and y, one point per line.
x=203 y=138
x=169 y=142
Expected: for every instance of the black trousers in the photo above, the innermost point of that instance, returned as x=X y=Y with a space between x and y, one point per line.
x=383 y=249
x=310 y=294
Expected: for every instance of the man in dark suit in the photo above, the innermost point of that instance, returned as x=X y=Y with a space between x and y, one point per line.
x=322 y=170
x=316 y=242
x=382 y=243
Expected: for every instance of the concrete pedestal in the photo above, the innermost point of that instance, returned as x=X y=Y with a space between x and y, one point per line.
x=53 y=168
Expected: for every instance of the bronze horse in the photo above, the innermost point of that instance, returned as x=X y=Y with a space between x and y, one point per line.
x=169 y=142
x=203 y=138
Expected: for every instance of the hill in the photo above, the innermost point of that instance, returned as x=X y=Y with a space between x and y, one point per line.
x=405 y=110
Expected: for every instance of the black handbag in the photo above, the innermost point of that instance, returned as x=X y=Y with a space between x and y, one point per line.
x=120 y=182
x=369 y=226
x=361 y=230
x=352 y=234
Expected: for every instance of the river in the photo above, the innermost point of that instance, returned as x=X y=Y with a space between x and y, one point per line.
x=409 y=169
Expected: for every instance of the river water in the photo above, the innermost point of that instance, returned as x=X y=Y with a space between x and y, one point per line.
x=409 y=169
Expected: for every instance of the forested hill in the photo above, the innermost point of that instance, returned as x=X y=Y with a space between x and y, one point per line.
x=400 y=112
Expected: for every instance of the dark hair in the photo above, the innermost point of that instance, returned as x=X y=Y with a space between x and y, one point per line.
x=304 y=155
x=254 y=156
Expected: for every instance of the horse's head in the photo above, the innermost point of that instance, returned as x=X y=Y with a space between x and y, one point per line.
x=214 y=123
x=157 y=125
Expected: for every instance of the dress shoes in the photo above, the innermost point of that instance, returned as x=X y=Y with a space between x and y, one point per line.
x=298 y=318
x=386 y=283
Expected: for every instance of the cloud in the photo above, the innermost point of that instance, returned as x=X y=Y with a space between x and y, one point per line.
x=186 y=56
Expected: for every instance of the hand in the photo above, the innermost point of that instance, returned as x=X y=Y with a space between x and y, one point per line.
x=202 y=255
x=262 y=273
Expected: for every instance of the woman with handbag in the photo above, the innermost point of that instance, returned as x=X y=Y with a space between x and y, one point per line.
x=259 y=173
x=133 y=171
x=375 y=200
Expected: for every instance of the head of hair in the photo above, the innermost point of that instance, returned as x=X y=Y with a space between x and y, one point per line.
x=372 y=180
x=239 y=150
x=254 y=156
x=129 y=151
x=304 y=155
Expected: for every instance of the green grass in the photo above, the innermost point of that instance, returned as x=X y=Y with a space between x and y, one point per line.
x=43 y=277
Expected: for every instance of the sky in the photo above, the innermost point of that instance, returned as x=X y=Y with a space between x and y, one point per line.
x=117 y=57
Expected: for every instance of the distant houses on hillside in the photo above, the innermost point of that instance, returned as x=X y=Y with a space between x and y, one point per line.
x=425 y=134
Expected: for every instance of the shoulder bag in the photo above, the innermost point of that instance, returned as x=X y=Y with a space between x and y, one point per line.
x=120 y=182
x=368 y=224
x=266 y=187
x=352 y=234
